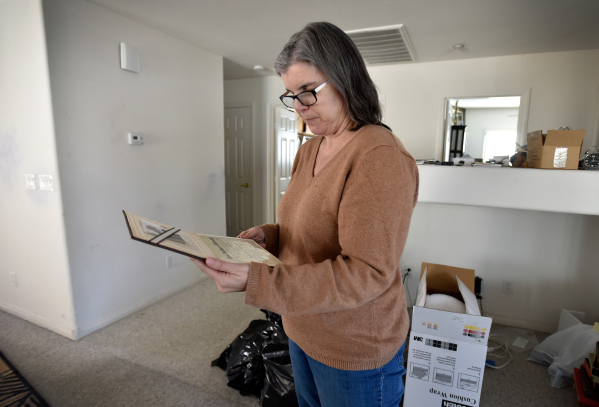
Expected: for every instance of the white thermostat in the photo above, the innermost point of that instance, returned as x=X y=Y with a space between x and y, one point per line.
x=136 y=138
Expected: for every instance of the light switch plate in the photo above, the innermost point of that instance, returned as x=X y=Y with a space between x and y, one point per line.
x=46 y=183
x=30 y=181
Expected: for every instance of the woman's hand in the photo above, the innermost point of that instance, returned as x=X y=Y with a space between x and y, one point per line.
x=229 y=277
x=256 y=234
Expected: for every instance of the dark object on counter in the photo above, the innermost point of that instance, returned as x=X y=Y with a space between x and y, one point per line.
x=519 y=160
x=444 y=163
x=248 y=370
x=456 y=141
x=590 y=159
x=279 y=387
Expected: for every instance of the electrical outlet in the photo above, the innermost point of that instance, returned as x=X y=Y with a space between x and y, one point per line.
x=13 y=278
x=169 y=262
x=508 y=287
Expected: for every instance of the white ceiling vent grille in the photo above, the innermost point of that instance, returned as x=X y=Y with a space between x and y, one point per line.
x=383 y=45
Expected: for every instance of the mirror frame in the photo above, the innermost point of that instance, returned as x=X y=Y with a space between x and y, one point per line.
x=523 y=111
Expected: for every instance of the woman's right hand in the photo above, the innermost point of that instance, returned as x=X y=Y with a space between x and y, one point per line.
x=256 y=234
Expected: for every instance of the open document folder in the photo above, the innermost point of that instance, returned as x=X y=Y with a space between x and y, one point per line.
x=195 y=245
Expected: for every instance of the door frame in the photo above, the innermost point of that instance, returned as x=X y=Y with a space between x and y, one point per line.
x=271 y=156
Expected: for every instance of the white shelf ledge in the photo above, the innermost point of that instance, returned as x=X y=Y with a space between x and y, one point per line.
x=567 y=191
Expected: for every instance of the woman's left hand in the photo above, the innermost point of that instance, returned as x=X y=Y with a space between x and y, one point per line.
x=229 y=277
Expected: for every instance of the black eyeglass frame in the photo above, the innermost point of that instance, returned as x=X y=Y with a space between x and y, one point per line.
x=296 y=97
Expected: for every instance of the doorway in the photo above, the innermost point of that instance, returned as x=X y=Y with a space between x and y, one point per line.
x=287 y=143
x=239 y=190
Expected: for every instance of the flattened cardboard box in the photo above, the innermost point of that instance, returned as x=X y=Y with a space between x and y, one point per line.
x=447 y=350
x=559 y=149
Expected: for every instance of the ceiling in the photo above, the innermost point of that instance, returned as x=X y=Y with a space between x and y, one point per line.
x=248 y=33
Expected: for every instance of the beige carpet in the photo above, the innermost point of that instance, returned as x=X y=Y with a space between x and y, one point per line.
x=161 y=356
x=157 y=357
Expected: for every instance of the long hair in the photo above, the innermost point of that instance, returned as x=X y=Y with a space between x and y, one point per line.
x=329 y=49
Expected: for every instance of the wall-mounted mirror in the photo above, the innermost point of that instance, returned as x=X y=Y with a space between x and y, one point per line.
x=482 y=126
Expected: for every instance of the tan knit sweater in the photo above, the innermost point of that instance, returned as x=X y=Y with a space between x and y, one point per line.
x=340 y=237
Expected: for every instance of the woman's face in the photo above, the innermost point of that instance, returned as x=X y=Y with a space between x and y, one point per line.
x=328 y=115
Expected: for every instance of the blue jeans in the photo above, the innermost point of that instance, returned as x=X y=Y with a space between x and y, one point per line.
x=318 y=385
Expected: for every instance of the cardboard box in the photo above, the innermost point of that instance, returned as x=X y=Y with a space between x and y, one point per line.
x=559 y=149
x=447 y=350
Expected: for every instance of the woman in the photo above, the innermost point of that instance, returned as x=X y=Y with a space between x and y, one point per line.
x=343 y=223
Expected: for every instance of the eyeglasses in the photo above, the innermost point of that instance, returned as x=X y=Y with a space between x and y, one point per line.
x=306 y=98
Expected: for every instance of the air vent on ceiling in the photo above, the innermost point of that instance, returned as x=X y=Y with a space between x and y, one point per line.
x=383 y=45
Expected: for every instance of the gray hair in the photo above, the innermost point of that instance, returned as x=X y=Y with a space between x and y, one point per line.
x=329 y=49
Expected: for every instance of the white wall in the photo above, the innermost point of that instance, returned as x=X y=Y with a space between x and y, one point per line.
x=564 y=91
x=176 y=177
x=551 y=258
x=481 y=120
x=33 y=235
x=262 y=94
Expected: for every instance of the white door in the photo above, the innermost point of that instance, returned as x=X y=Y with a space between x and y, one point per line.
x=287 y=145
x=238 y=170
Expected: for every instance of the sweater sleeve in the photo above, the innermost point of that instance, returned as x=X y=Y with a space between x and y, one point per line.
x=373 y=221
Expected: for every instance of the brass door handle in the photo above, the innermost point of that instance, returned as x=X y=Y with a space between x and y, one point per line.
x=245 y=185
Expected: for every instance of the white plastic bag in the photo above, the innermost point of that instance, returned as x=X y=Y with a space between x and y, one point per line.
x=565 y=350
x=512 y=334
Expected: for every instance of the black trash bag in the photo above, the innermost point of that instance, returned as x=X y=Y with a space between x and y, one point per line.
x=223 y=359
x=279 y=387
x=273 y=317
x=242 y=359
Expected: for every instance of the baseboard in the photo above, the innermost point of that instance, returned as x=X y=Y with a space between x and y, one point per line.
x=521 y=323
x=40 y=321
x=80 y=333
